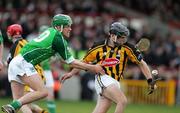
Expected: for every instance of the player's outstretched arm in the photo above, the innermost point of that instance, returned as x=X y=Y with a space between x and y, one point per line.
x=146 y=71
x=80 y=65
x=84 y=66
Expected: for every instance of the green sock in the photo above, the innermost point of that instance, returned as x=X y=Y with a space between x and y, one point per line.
x=51 y=106
x=16 y=104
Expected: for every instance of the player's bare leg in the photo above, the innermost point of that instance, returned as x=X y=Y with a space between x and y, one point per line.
x=36 y=109
x=17 y=92
x=36 y=83
x=50 y=93
x=32 y=108
x=26 y=109
x=114 y=93
x=103 y=104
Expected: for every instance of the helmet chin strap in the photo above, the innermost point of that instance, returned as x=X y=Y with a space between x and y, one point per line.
x=61 y=28
x=115 y=39
x=116 y=43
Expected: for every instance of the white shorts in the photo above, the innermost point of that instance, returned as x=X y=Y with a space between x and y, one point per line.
x=49 y=78
x=19 y=67
x=103 y=81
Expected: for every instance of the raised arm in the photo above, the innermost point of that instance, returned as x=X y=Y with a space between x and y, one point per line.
x=78 y=65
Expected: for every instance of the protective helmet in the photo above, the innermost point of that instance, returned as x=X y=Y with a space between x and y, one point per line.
x=43 y=28
x=14 y=29
x=61 y=20
x=119 y=29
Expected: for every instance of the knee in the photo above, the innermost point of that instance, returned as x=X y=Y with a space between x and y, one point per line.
x=123 y=102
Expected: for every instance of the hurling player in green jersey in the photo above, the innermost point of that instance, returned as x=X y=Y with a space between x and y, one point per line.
x=49 y=78
x=21 y=69
x=1 y=51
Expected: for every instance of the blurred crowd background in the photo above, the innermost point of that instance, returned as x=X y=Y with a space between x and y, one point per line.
x=157 y=20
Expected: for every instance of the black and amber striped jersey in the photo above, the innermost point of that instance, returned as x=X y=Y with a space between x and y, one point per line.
x=14 y=51
x=113 y=59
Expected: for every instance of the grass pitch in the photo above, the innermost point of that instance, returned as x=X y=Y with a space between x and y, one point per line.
x=64 y=106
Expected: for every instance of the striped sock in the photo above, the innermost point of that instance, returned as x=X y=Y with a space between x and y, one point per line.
x=51 y=106
x=16 y=104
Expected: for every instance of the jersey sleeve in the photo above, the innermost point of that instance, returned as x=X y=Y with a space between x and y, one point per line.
x=90 y=56
x=92 y=53
x=133 y=54
x=60 y=45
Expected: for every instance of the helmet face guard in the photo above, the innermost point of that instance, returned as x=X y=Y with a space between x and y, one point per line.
x=120 y=31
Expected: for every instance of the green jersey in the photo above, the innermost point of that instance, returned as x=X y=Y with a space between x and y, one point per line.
x=46 y=45
x=45 y=64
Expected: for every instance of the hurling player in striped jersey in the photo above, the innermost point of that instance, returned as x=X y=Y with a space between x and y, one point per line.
x=113 y=54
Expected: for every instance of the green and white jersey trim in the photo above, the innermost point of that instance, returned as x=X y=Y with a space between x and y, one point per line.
x=70 y=60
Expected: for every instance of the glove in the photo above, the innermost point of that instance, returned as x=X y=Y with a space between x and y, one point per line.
x=152 y=85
